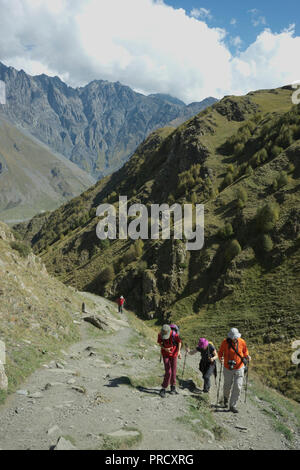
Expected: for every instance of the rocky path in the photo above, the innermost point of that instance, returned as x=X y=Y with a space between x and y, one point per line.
x=103 y=393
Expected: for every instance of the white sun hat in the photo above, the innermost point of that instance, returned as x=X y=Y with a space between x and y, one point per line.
x=234 y=333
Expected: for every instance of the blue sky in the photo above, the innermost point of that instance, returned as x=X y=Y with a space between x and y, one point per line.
x=251 y=17
x=190 y=49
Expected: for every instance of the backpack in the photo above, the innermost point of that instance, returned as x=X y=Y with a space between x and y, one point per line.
x=203 y=365
x=174 y=331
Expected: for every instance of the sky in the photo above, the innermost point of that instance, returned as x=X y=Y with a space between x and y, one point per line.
x=190 y=49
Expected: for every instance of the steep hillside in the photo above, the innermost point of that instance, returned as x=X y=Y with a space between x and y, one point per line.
x=32 y=178
x=98 y=126
x=240 y=157
x=36 y=311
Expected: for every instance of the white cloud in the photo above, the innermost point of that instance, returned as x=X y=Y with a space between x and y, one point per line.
x=233 y=21
x=201 y=13
x=144 y=44
x=271 y=61
x=236 y=41
x=256 y=18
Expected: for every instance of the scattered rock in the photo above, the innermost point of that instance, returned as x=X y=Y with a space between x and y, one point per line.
x=241 y=428
x=97 y=321
x=71 y=382
x=36 y=395
x=64 y=444
x=63 y=371
x=53 y=430
x=25 y=393
x=209 y=434
x=3 y=378
x=79 y=389
x=26 y=341
x=123 y=433
x=59 y=365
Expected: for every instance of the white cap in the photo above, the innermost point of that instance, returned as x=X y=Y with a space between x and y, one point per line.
x=234 y=333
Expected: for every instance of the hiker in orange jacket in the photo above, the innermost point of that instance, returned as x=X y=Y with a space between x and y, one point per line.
x=170 y=343
x=234 y=354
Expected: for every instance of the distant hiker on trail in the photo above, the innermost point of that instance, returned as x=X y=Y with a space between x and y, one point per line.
x=121 y=302
x=170 y=343
x=207 y=363
x=234 y=353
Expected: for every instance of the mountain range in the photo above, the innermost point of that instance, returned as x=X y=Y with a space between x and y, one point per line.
x=97 y=126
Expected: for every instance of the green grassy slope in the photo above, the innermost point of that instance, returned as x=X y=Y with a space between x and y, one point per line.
x=36 y=311
x=32 y=178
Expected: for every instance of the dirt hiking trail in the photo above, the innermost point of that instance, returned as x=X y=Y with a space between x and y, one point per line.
x=103 y=393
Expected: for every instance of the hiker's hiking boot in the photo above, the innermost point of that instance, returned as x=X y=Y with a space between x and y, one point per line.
x=173 y=390
x=233 y=409
x=162 y=393
x=196 y=391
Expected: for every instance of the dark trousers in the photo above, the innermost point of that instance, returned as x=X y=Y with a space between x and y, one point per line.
x=170 y=364
x=206 y=377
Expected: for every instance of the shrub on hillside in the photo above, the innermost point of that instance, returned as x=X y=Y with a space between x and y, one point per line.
x=267 y=243
x=135 y=251
x=142 y=266
x=241 y=198
x=23 y=249
x=228 y=180
x=107 y=275
x=249 y=171
x=267 y=217
x=104 y=244
x=275 y=151
x=232 y=250
x=226 y=232
x=282 y=179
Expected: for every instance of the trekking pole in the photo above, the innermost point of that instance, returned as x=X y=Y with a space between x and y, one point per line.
x=246 y=387
x=184 y=362
x=218 y=391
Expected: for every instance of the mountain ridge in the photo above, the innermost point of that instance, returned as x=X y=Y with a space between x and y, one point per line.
x=97 y=126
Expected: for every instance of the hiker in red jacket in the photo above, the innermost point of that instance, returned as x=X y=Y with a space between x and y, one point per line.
x=121 y=302
x=170 y=343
